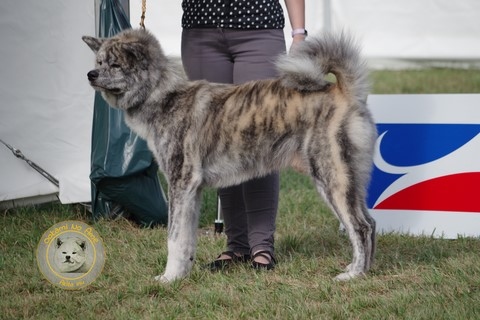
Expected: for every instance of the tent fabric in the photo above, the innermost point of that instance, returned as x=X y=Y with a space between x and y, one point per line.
x=123 y=171
x=47 y=104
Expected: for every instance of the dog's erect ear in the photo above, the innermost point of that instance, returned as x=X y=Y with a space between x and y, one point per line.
x=82 y=244
x=93 y=43
x=59 y=242
x=135 y=49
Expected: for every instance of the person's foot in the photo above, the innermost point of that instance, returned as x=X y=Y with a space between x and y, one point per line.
x=263 y=260
x=226 y=259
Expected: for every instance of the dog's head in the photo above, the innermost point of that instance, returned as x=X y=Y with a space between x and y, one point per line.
x=127 y=66
x=70 y=254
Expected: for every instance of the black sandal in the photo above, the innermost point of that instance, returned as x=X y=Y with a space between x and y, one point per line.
x=222 y=264
x=262 y=266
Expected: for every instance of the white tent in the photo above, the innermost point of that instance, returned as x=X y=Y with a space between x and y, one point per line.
x=46 y=108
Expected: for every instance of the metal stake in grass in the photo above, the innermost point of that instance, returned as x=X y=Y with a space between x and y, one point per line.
x=219 y=221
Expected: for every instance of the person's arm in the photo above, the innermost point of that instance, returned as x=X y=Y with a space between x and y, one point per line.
x=296 y=14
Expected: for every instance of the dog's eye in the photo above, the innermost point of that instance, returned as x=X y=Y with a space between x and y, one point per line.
x=115 y=65
x=74 y=252
x=99 y=63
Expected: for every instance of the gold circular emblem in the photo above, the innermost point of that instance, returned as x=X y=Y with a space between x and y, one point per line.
x=71 y=255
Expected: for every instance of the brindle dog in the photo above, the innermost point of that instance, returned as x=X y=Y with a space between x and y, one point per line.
x=220 y=135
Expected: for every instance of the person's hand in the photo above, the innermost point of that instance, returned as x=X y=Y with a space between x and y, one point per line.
x=297 y=39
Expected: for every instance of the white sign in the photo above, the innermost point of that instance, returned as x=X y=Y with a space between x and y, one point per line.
x=427 y=164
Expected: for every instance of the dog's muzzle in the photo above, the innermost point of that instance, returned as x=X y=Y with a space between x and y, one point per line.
x=92 y=75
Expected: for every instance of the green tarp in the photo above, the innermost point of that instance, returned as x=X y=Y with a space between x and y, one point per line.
x=123 y=172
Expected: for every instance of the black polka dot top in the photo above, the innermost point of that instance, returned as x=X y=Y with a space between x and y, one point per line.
x=232 y=14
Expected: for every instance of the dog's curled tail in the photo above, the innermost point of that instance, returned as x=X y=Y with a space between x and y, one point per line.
x=306 y=66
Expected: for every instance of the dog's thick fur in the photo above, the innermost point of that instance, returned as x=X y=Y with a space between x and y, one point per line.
x=220 y=135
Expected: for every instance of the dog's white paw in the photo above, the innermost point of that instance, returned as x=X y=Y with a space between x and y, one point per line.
x=162 y=279
x=349 y=275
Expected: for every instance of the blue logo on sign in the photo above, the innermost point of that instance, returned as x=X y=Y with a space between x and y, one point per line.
x=415 y=163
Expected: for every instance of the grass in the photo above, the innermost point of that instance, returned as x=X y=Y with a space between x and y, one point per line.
x=413 y=278
x=426 y=81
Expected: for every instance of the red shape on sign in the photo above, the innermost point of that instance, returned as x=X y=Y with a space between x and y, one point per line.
x=456 y=192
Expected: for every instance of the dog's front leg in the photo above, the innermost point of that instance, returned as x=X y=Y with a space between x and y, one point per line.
x=184 y=214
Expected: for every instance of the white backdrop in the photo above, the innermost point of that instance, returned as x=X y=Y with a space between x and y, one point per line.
x=396 y=31
x=46 y=102
x=389 y=30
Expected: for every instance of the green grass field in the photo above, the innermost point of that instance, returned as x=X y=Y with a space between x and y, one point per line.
x=413 y=278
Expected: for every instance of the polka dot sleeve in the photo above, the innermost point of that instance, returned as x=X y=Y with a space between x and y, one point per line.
x=232 y=14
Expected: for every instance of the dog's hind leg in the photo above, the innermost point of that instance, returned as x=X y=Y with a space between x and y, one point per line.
x=373 y=239
x=365 y=234
x=360 y=229
x=359 y=225
x=184 y=206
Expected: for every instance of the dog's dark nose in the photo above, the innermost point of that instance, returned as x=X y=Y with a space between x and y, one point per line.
x=92 y=75
x=67 y=257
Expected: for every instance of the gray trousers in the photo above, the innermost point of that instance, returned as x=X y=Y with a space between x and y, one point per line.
x=237 y=56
